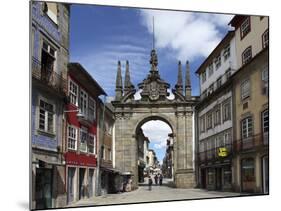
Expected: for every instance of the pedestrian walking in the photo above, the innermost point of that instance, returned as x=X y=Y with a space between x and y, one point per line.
x=160 y=179
x=156 y=179
x=149 y=182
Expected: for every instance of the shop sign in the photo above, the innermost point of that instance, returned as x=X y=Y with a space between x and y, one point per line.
x=222 y=152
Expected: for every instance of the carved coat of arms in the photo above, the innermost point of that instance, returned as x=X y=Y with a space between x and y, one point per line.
x=154 y=91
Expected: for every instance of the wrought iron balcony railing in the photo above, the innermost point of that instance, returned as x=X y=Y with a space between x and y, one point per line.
x=251 y=143
x=255 y=142
x=47 y=76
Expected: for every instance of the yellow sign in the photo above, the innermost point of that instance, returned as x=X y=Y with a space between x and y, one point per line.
x=222 y=152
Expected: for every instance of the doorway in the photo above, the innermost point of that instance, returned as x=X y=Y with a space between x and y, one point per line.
x=218 y=179
x=43 y=192
x=70 y=183
x=82 y=189
x=265 y=174
x=91 y=182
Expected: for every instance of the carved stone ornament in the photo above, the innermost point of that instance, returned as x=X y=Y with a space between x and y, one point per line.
x=154 y=91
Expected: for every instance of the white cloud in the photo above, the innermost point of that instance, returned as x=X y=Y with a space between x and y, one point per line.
x=157 y=131
x=188 y=35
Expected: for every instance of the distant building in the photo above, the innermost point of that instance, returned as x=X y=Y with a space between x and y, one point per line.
x=49 y=58
x=251 y=113
x=167 y=166
x=81 y=133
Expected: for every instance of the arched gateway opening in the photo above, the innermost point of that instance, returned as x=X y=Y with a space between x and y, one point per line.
x=154 y=149
x=154 y=104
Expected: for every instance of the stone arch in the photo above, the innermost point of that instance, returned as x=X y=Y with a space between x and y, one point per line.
x=150 y=117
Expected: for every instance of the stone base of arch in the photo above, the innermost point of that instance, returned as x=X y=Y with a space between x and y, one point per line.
x=185 y=178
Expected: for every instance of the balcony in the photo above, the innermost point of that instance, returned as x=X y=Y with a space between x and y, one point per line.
x=46 y=76
x=251 y=143
x=213 y=154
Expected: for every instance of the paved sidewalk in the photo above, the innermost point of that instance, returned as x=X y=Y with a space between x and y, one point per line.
x=158 y=193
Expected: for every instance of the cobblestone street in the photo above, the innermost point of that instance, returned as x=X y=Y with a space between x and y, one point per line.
x=158 y=193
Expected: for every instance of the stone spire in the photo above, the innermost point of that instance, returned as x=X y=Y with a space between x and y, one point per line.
x=119 y=86
x=128 y=86
x=179 y=85
x=187 y=82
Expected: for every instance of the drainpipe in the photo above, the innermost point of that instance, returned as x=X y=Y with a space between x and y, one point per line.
x=100 y=144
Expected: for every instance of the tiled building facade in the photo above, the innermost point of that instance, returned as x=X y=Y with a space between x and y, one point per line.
x=49 y=57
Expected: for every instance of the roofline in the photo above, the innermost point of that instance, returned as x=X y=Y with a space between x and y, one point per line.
x=78 y=65
x=230 y=34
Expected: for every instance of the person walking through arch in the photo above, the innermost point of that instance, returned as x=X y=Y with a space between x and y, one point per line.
x=156 y=179
x=149 y=182
x=160 y=179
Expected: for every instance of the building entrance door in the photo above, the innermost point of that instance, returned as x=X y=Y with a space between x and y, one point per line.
x=265 y=173
x=70 y=183
x=82 y=172
x=43 y=193
x=203 y=178
x=91 y=183
x=218 y=179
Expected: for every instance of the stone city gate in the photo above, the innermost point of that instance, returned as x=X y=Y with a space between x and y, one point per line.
x=131 y=114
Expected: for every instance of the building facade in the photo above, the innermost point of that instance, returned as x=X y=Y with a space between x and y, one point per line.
x=251 y=105
x=81 y=133
x=214 y=117
x=49 y=58
x=109 y=176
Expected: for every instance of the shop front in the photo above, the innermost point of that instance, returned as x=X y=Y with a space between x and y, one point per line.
x=80 y=176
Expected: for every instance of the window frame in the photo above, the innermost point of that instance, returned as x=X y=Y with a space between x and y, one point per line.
x=219 y=82
x=265 y=43
x=209 y=120
x=226 y=52
x=249 y=133
x=204 y=77
x=202 y=124
x=71 y=93
x=90 y=135
x=245 y=94
x=75 y=139
x=45 y=130
x=226 y=111
x=93 y=108
x=242 y=31
x=85 y=131
x=217 y=61
x=263 y=121
x=210 y=70
x=217 y=115
x=249 y=58
x=83 y=103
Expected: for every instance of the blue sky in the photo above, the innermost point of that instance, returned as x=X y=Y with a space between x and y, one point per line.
x=100 y=36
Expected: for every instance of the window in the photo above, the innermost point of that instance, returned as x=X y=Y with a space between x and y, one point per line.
x=265 y=126
x=245 y=89
x=245 y=27
x=92 y=144
x=211 y=89
x=217 y=120
x=73 y=93
x=83 y=139
x=110 y=154
x=48 y=57
x=209 y=121
x=248 y=170
x=227 y=175
x=211 y=177
x=51 y=10
x=219 y=82
x=228 y=73
x=202 y=124
x=264 y=77
x=226 y=111
x=247 y=127
x=265 y=39
x=247 y=55
x=218 y=61
x=265 y=121
x=46 y=117
x=226 y=52
x=203 y=77
x=226 y=138
x=92 y=109
x=211 y=69
x=72 y=137
x=83 y=102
